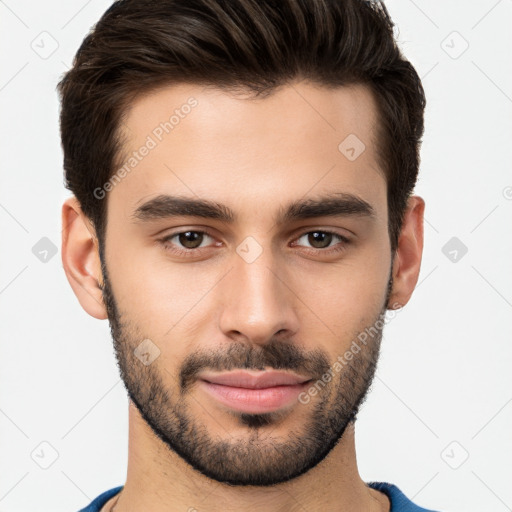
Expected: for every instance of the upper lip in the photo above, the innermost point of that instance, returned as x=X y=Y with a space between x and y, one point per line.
x=254 y=380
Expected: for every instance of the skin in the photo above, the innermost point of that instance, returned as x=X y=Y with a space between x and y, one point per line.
x=254 y=156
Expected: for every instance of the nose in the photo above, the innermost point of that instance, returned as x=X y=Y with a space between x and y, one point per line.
x=258 y=301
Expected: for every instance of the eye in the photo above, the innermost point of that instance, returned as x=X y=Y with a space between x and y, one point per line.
x=190 y=242
x=185 y=242
x=321 y=240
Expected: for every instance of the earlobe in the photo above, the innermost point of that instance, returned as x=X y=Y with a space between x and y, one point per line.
x=407 y=261
x=80 y=258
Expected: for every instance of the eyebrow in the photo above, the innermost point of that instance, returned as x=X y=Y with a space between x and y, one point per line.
x=333 y=205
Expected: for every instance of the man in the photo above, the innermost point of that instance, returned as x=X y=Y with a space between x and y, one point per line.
x=243 y=215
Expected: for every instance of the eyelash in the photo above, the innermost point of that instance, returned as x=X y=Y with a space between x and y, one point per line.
x=190 y=252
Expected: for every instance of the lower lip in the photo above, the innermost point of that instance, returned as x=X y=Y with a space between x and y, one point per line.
x=254 y=400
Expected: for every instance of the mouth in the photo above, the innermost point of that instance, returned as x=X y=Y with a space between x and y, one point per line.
x=254 y=392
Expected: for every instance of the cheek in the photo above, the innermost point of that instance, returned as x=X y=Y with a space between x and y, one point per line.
x=163 y=300
x=349 y=298
x=167 y=300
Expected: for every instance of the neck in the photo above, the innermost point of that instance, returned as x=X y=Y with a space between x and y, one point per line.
x=160 y=480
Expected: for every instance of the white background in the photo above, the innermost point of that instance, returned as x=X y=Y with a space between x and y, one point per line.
x=443 y=389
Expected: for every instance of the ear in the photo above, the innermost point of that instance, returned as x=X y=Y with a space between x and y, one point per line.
x=407 y=262
x=80 y=258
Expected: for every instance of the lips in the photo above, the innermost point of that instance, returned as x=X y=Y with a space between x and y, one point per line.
x=254 y=392
x=257 y=380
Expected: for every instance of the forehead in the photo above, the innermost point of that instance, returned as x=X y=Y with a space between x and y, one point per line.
x=302 y=139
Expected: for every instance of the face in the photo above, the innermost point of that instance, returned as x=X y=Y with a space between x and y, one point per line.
x=245 y=254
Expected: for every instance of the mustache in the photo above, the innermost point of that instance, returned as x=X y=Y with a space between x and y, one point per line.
x=277 y=355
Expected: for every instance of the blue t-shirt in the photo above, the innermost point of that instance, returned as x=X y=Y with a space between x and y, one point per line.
x=399 y=502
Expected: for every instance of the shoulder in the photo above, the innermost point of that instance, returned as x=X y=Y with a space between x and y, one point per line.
x=399 y=501
x=97 y=503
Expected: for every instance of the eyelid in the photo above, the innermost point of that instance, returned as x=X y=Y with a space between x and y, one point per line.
x=299 y=234
x=166 y=238
x=331 y=231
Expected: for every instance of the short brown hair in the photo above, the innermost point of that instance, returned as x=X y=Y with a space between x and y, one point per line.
x=252 y=45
